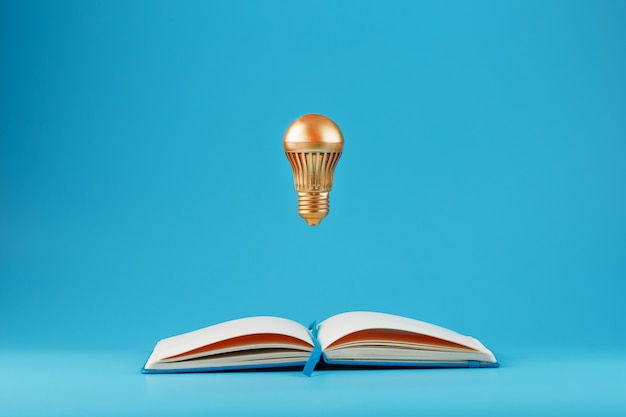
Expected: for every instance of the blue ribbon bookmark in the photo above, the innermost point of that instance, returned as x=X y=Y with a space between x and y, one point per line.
x=314 y=358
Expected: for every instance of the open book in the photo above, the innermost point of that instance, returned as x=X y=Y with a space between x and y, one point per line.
x=353 y=338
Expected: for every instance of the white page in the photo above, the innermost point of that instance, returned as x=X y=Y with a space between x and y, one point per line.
x=404 y=355
x=235 y=328
x=277 y=358
x=335 y=327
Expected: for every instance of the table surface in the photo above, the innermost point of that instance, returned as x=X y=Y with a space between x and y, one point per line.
x=109 y=383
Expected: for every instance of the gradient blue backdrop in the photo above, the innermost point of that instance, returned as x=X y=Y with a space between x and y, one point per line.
x=144 y=191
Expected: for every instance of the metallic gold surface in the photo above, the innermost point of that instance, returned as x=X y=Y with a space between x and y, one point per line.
x=313 y=144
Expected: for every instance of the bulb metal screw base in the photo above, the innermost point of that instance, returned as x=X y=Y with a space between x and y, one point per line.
x=313 y=207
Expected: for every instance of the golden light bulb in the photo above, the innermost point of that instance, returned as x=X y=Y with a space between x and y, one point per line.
x=313 y=145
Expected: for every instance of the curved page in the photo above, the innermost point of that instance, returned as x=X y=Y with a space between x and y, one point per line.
x=196 y=340
x=340 y=325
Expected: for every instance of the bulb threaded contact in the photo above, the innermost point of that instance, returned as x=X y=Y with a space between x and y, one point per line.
x=313 y=207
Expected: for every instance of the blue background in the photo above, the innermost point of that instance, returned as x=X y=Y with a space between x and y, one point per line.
x=144 y=192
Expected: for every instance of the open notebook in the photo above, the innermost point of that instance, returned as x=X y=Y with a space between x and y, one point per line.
x=355 y=338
